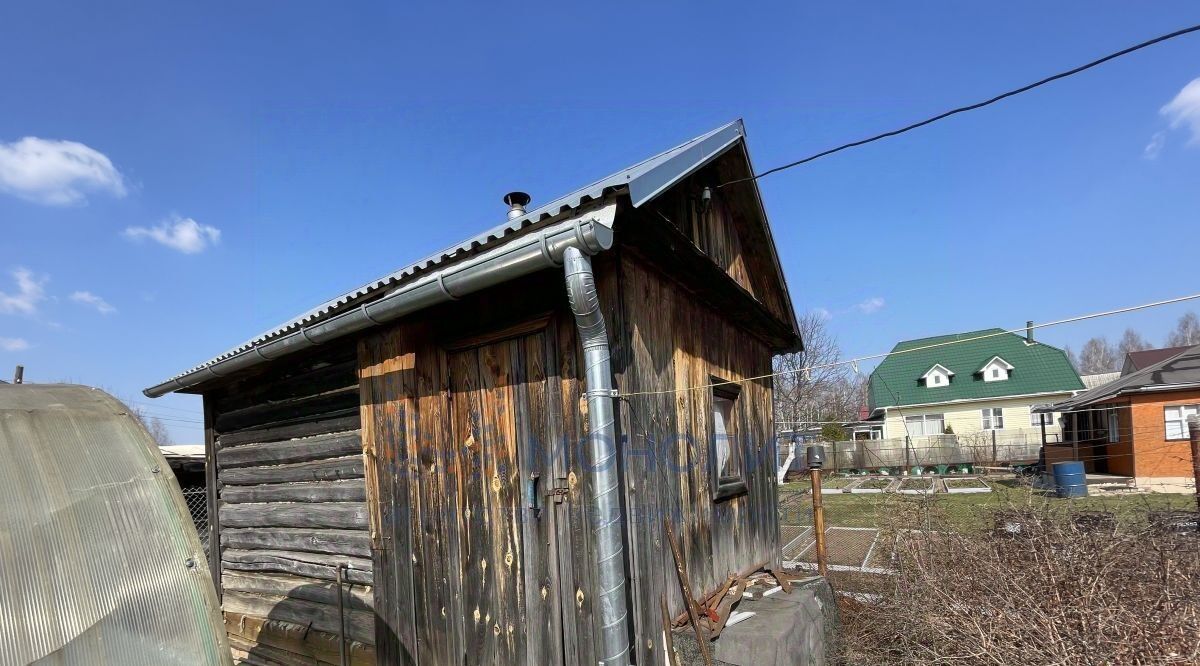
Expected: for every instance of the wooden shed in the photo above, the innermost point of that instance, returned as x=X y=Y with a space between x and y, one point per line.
x=486 y=443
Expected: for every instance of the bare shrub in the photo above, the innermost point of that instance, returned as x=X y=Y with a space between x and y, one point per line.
x=1033 y=584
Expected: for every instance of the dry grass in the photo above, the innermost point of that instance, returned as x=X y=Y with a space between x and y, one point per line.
x=1045 y=587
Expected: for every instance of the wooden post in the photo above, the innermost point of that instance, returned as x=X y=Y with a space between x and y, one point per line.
x=907 y=449
x=212 y=496
x=818 y=518
x=1194 y=431
x=685 y=588
x=995 y=452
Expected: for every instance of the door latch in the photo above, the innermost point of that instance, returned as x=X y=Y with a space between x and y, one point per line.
x=558 y=491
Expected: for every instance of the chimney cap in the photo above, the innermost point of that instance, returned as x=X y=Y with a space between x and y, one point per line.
x=517 y=199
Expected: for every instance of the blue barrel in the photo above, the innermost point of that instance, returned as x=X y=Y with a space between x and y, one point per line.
x=1070 y=479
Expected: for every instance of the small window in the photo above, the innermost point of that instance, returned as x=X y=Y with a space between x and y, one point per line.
x=993 y=418
x=1114 y=426
x=937 y=379
x=1035 y=419
x=1176 y=420
x=726 y=451
x=995 y=372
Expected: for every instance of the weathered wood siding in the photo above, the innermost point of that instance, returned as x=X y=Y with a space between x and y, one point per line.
x=461 y=411
x=732 y=231
x=291 y=509
x=668 y=341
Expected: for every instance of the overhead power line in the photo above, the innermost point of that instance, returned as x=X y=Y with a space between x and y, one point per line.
x=957 y=341
x=972 y=107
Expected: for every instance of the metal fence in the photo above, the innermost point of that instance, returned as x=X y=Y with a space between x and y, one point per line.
x=935 y=452
x=197 y=504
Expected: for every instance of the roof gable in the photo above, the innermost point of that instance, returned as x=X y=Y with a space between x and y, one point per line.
x=1035 y=368
x=641 y=182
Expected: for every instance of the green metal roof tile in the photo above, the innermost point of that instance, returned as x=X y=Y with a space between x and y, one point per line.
x=1037 y=368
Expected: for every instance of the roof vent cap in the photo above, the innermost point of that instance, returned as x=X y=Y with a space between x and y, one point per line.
x=516 y=204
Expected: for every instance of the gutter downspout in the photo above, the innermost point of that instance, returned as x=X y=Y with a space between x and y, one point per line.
x=611 y=621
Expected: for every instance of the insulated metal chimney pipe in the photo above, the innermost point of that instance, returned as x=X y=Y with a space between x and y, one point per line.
x=611 y=617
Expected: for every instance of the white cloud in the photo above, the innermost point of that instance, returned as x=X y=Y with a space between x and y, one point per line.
x=870 y=306
x=1155 y=146
x=90 y=299
x=29 y=293
x=823 y=313
x=1185 y=110
x=183 y=234
x=13 y=344
x=56 y=173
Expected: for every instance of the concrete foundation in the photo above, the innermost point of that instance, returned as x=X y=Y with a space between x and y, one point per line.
x=797 y=629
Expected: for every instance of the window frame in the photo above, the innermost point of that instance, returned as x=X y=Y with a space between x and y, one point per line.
x=1183 y=421
x=732 y=485
x=924 y=421
x=1051 y=419
x=990 y=416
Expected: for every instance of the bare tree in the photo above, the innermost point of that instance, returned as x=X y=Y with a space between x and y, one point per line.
x=1098 y=356
x=153 y=425
x=1186 y=333
x=1071 y=357
x=1131 y=341
x=810 y=388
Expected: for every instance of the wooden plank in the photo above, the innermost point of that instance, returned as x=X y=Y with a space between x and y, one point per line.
x=292 y=451
x=469 y=442
x=360 y=626
x=328 y=469
x=355 y=597
x=298 y=639
x=311 y=565
x=440 y=493
x=337 y=400
x=386 y=452
x=543 y=638
x=496 y=363
x=352 y=490
x=342 y=515
x=356 y=543
x=332 y=366
x=336 y=422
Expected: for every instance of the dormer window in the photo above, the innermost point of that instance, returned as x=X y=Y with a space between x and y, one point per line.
x=937 y=376
x=995 y=370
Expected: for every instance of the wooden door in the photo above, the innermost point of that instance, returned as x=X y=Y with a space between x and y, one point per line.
x=502 y=432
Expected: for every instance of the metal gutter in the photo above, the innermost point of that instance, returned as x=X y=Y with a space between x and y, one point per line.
x=589 y=231
x=611 y=620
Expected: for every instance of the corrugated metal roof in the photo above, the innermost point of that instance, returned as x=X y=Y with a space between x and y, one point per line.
x=643 y=181
x=100 y=562
x=1181 y=371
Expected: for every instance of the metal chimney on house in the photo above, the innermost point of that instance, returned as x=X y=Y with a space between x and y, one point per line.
x=516 y=204
x=1029 y=332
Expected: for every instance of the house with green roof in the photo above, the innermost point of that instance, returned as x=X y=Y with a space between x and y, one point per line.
x=969 y=382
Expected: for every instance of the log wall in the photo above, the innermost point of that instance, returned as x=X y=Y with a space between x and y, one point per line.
x=291 y=508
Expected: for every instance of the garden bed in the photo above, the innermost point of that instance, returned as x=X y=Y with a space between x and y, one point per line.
x=872 y=485
x=918 y=486
x=965 y=486
x=835 y=484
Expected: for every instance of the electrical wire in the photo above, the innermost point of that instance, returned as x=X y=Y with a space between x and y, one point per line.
x=859 y=359
x=971 y=107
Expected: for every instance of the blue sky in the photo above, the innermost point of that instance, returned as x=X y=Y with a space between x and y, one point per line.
x=232 y=164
